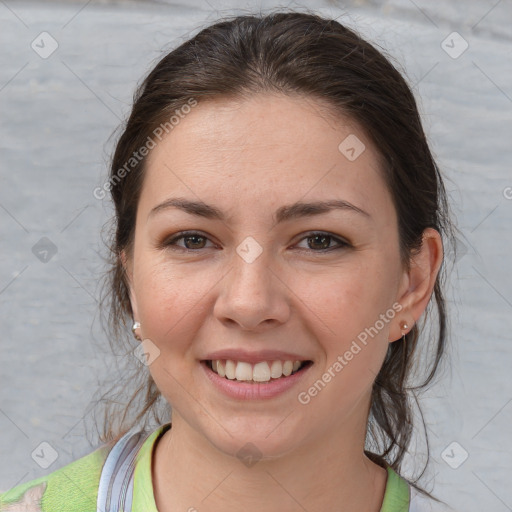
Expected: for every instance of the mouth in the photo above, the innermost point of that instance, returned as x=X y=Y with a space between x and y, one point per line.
x=258 y=373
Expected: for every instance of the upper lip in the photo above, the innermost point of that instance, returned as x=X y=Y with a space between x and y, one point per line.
x=253 y=357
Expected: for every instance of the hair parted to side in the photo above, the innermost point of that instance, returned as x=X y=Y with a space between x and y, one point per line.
x=290 y=53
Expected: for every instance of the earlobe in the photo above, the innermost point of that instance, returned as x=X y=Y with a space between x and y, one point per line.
x=402 y=325
x=419 y=283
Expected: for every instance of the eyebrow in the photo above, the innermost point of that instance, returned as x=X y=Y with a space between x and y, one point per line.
x=282 y=214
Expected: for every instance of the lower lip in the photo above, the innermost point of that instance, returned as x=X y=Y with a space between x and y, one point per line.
x=253 y=391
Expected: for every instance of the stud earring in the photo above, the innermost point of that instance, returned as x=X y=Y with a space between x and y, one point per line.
x=403 y=327
x=136 y=325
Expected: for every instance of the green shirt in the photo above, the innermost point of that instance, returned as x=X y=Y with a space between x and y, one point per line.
x=75 y=487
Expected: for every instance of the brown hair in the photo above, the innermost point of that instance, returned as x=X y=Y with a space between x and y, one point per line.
x=291 y=53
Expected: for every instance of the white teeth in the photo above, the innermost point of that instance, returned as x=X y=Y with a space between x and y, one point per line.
x=260 y=372
x=276 y=370
x=230 y=369
x=287 y=368
x=243 y=371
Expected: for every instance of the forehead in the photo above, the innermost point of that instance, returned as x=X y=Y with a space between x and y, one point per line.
x=268 y=146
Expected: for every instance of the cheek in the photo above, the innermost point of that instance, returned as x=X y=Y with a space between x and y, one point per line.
x=348 y=300
x=171 y=309
x=351 y=322
x=170 y=301
x=352 y=311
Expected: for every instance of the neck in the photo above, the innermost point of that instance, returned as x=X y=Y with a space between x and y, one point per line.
x=190 y=474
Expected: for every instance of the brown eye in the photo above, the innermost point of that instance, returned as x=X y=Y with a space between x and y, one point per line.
x=194 y=241
x=191 y=241
x=321 y=242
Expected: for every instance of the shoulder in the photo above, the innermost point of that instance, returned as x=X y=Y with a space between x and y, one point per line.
x=421 y=503
x=72 y=487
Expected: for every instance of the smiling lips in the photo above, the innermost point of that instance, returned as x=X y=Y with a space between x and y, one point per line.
x=261 y=375
x=262 y=371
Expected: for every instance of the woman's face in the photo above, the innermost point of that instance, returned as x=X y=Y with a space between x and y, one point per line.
x=265 y=278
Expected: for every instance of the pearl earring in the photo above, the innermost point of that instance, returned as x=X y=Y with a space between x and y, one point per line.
x=403 y=327
x=136 y=325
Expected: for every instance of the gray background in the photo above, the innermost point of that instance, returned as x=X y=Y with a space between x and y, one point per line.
x=57 y=115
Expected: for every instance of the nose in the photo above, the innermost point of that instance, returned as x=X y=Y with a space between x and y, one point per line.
x=253 y=295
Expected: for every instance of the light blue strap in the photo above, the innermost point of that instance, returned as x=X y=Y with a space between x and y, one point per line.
x=115 y=490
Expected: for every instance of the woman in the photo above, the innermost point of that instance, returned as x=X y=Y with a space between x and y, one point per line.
x=279 y=238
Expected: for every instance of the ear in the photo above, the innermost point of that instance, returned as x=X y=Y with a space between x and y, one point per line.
x=418 y=283
x=127 y=263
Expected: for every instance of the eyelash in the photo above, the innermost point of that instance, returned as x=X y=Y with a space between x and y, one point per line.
x=171 y=243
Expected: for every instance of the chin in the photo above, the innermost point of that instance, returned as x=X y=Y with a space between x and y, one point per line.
x=256 y=440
